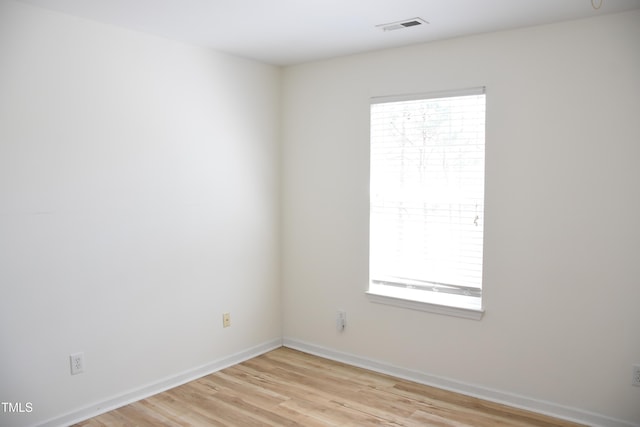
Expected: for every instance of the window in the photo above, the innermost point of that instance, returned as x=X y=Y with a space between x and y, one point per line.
x=427 y=201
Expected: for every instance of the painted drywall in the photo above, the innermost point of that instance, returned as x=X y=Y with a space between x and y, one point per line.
x=562 y=198
x=139 y=192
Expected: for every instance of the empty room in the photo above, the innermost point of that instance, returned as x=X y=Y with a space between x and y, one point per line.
x=305 y=212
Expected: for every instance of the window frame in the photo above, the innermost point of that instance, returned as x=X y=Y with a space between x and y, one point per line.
x=424 y=300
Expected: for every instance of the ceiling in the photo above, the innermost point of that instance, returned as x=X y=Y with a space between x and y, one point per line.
x=287 y=32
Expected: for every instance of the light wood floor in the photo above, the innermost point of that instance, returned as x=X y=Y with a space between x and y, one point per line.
x=286 y=387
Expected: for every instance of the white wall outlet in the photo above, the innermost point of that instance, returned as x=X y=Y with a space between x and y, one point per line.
x=226 y=320
x=636 y=376
x=341 y=320
x=77 y=363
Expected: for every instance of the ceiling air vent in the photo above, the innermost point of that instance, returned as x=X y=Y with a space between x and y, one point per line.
x=402 y=24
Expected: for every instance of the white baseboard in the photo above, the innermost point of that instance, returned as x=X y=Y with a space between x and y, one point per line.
x=160 y=386
x=510 y=399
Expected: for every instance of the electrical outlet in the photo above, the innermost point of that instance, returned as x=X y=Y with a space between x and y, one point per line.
x=226 y=320
x=636 y=376
x=341 y=320
x=77 y=363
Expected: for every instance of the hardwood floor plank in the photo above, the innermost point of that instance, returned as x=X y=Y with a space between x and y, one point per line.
x=254 y=393
x=286 y=387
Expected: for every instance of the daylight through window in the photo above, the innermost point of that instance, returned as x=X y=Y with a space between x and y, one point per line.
x=427 y=198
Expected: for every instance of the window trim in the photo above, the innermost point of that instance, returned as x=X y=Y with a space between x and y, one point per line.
x=477 y=90
x=430 y=307
x=456 y=305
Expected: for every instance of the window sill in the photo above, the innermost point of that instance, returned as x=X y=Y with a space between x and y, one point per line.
x=432 y=302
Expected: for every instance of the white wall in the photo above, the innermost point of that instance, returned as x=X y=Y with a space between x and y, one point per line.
x=562 y=203
x=139 y=192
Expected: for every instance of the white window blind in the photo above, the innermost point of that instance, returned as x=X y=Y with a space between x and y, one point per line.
x=427 y=193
